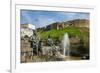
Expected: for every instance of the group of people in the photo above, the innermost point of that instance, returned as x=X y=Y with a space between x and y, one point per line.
x=37 y=44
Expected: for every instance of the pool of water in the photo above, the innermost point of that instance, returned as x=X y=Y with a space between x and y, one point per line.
x=72 y=58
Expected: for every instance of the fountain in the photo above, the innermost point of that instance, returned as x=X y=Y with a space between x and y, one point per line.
x=66 y=45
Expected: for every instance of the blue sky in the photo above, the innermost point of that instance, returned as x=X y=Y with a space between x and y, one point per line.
x=43 y=18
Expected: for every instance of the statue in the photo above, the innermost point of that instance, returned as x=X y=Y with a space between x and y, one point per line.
x=50 y=41
x=40 y=44
x=33 y=43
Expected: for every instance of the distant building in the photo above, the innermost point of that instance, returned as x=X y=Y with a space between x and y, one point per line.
x=79 y=23
x=27 y=30
x=75 y=23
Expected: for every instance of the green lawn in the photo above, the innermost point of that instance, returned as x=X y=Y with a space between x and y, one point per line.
x=57 y=34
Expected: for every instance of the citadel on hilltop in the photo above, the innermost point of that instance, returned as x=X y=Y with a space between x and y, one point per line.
x=61 y=25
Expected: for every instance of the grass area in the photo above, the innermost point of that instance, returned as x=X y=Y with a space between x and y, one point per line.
x=57 y=34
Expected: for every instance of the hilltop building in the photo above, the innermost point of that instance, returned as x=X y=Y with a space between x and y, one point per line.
x=75 y=23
